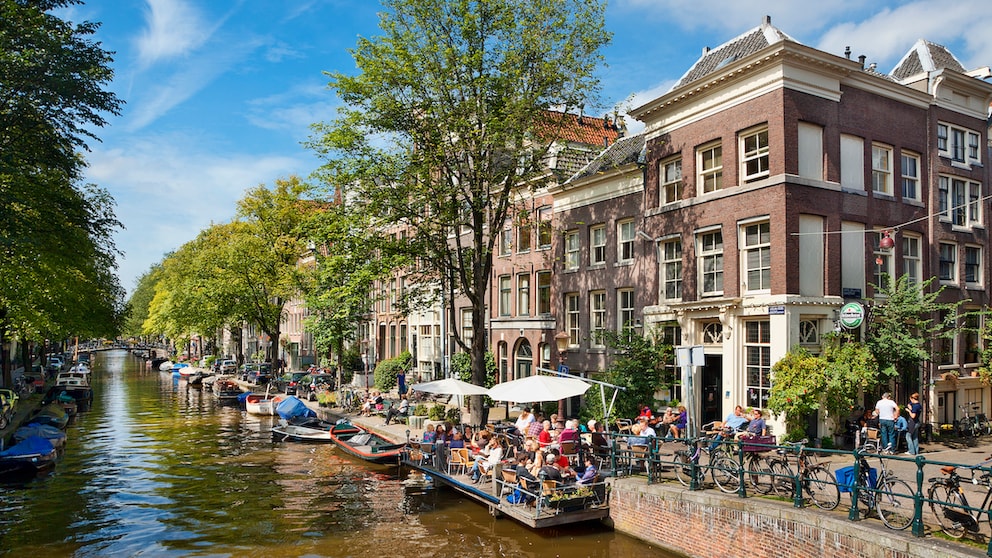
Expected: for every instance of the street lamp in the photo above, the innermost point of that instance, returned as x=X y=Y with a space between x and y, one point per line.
x=561 y=342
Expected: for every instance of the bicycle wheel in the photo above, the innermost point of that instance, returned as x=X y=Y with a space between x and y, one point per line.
x=821 y=488
x=726 y=473
x=894 y=504
x=758 y=474
x=947 y=506
x=683 y=467
x=783 y=482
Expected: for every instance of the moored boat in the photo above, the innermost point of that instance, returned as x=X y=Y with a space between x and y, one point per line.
x=52 y=414
x=366 y=444
x=51 y=433
x=262 y=403
x=298 y=433
x=26 y=459
x=227 y=389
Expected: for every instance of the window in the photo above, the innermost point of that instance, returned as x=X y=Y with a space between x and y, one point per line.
x=671 y=181
x=757 y=346
x=625 y=308
x=945 y=352
x=754 y=154
x=523 y=294
x=958 y=144
x=959 y=201
x=597 y=318
x=572 y=250
x=810 y=151
x=572 y=318
x=544 y=227
x=712 y=333
x=710 y=165
x=466 y=326
x=948 y=262
x=625 y=241
x=852 y=162
x=504 y=295
x=524 y=236
x=910 y=177
x=912 y=264
x=544 y=292
x=973 y=265
x=809 y=331
x=506 y=243
x=883 y=261
x=758 y=256
x=711 y=263
x=671 y=269
x=881 y=169
x=970 y=338
x=597 y=245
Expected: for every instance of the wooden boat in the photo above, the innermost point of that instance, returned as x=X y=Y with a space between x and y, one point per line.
x=365 y=444
x=227 y=390
x=299 y=433
x=262 y=403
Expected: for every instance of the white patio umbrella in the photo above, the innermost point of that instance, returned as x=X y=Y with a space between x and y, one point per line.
x=450 y=386
x=538 y=388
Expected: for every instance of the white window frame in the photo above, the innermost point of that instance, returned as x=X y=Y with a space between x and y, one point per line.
x=881 y=169
x=910 y=172
x=523 y=294
x=670 y=180
x=709 y=161
x=625 y=241
x=671 y=269
x=625 y=308
x=960 y=201
x=882 y=260
x=544 y=228
x=597 y=319
x=525 y=237
x=757 y=361
x=754 y=154
x=506 y=242
x=572 y=247
x=710 y=261
x=974 y=278
x=759 y=246
x=912 y=262
x=597 y=245
x=960 y=145
x=505 y=295
x=571 y=303
x=947 y=254
x=543 y=293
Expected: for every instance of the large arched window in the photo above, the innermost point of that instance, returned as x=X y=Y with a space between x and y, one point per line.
x=524 y=360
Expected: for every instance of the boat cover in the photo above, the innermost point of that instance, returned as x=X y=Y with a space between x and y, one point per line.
x=292 y=407
x=32 y=445
x=243 y=397
x=46 y=431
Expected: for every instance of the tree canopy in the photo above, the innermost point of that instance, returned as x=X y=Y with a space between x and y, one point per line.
x=446 y=116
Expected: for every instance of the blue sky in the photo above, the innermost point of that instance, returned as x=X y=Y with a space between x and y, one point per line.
x=220 y=93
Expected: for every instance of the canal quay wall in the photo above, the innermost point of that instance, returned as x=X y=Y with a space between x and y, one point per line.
x=710 y=524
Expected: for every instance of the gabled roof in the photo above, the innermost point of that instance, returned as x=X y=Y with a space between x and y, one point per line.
x=739 y=47
x=587 y=130
x=925 y=57
x=624 y=151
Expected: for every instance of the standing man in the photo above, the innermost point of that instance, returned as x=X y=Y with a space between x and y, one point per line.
x=887 y=411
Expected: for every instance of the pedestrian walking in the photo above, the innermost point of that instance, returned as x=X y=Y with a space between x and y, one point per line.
x=887 y=411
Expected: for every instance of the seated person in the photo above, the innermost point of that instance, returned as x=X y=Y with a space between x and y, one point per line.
x=570 y=433
x=561 y=464
x=635 y=439
x=646 y=429
x=754 y=428
x=456 y=441
x=735 y=422
x=487 y=459
x=430 y=435
x=599 y=443
x=398 y=411
x=523 y=421
x=677 y=427
x=524 y=474
x=589 y=473
x=478 y=441
x=544 y=438
x=646 y=413
x=668 y=418
x=535 y=428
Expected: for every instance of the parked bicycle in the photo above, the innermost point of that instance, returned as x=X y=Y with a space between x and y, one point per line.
x=818 y=484
x=727 y=469
x=973 y=423
x=879 y=490
x=950 y=505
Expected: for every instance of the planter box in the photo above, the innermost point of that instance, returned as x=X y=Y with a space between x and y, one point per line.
x=416 y=422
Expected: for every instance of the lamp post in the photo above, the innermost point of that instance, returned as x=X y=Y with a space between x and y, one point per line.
x=561 y=342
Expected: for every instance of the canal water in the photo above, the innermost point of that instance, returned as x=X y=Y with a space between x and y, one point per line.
x=158 y=469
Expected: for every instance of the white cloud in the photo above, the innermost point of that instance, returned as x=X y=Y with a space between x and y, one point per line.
x=174 y=28
x=295 y=109
x=169 y=188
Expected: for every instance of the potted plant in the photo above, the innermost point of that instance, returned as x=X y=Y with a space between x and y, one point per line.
x=572 y=499
x=436 y=412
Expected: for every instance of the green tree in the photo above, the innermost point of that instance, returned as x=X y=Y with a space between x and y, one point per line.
x=639 y=364
x=906 y=318
x=438 y=127
x=798 y=381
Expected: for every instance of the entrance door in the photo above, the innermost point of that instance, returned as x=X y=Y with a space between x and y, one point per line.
x=712 y=383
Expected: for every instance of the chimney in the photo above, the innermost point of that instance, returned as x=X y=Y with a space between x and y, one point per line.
x=862 y=59
x=847 y=52
x=872 y=66
x=706 y=50
x=766 y=21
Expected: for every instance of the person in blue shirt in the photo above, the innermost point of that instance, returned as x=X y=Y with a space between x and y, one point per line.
x=756 y=427
x=734 y=423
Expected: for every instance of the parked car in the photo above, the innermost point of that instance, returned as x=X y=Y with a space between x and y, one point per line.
x=256 y=372
x=312 y=384
x=227 y=366
x=289 y=383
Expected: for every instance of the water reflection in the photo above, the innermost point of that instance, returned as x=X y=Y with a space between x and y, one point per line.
x=157 y=469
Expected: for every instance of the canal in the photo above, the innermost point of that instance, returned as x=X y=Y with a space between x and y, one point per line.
x=158 y=469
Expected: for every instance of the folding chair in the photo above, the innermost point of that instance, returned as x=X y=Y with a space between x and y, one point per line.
x=459 y=459
x=427 y=449
x=570 y=450
x=623 y=425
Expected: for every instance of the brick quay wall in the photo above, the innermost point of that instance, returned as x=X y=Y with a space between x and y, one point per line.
x=709 y=524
